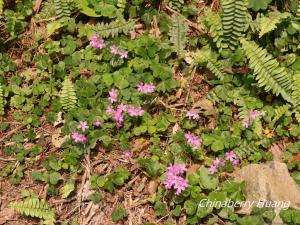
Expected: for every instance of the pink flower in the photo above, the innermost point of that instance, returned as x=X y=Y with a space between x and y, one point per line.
x=96 y=43
x=110 y=111
x=230 y=156
x=146 y=88
x=173 y=180
x=119 y=118
x=180 y=184
x=123 y=54
x=193 y=139
x=192 y=116
x=218 y=162
x=97 y=123
x=114 y=50
x=176 y=169
x=79 y=138
x=253 y=114
x=236 y=162
x=245 y=123
x=127 y=154
x=83 y=125
x=135 y=111
x=212 y=169
x=113 y=95
x=122 y=107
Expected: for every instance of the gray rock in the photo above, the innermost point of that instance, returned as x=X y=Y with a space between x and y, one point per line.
x=270 y=185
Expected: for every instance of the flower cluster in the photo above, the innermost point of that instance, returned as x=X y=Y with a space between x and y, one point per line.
x=146 y=88
x=95 y=42
x=127 y=154
x=174 y=180
x=118 y=113
x=79 y=138
x=218 y=162
x=193 y=139
x=253 y=115
x=116 y=51
x=192 y=115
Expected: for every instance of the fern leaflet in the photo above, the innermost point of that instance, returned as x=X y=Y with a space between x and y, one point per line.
x=35 y=207
x=214 y=23
x=62 y=8
x=1 y=101
x=268 y=24
x=68 y=97
x=267 y=70
x=122 y=4
x=296 y=88
x=233 y=21
x=114 y=28
x=245 y=150
x=279 y=112
x=1 y=7
x=178 y=34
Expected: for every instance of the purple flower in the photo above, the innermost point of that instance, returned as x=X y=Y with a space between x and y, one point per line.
x=96 y=43
x=113 y=95
x=230 y=156
x=173 y=180
x=110 y=111
x=135 y=111
x=180 y=184
x=193 y=139
x=192 y=116
x=114 y=50
x=118 y=117
x=97 y=123
x=79 y=138
x=122 y=107
x=146 y=88
x=123 y=54
x=212 y=169
x=253 y=114
x=176 y=169
x=127 y=154
x=83 y=125
x=245 y=123
x=218 y=162
x=236 y=162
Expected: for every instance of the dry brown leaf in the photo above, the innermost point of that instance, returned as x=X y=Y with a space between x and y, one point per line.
x=205 y=105
x=192 y=169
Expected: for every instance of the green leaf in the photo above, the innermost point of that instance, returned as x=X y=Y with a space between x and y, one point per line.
x=206 y=180
x=257 y=5
x=67 y=189
x=119 y=214
x=54 y=177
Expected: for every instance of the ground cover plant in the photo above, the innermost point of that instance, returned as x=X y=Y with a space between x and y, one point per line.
x=133 y=112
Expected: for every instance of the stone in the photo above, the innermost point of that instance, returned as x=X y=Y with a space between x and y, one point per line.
x=269 y=183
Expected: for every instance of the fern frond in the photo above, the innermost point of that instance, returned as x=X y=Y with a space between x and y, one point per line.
x=62 y=8
x=297 y=115
x=268 y=24
x=178 y=34
x=296 y=88
x=209 y=58
x=1 y=101
x=298 y=13
x=114 y=28
x=176 y=4
x=280 y=111
x=214 y=24
x=233 y=21
x=68 y=97
x=267 y=70
x=35 y=207
x=245 y=150
x=122 y=4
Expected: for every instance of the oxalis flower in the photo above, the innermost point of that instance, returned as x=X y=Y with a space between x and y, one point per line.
x=113 y=95
x=96 y=43
x=123 y=54
x=97 y=123
x=193 y=139
x=231 y=156
x=173 y=180
x=83 y=125
x=192 y=115
x=253 y=114
x=245 y=123
x=146 y=88
x=127 y=154
x=79 y=138
x=213 y=169
x=114 y=50
x=135 y=111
